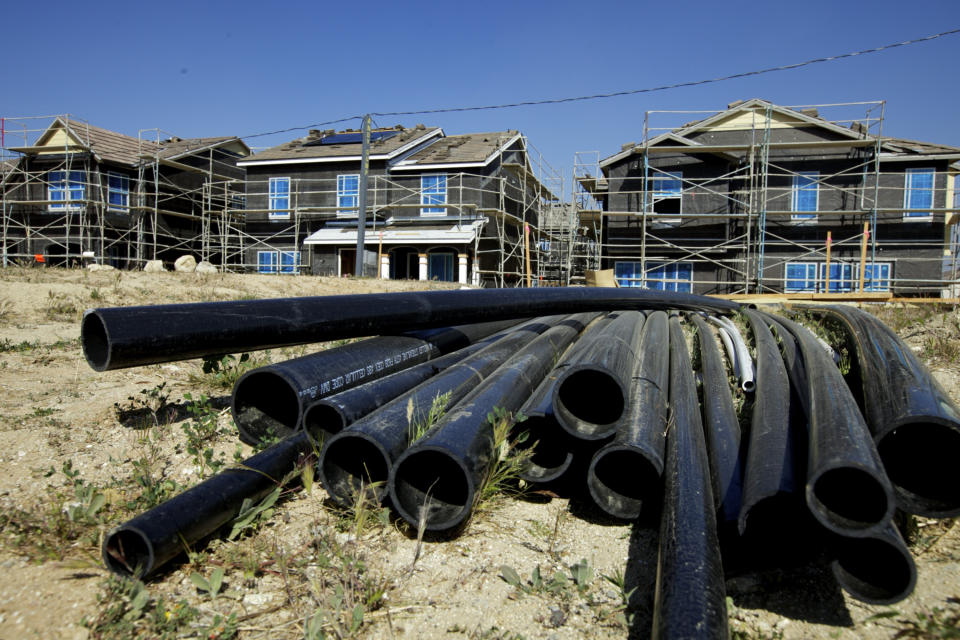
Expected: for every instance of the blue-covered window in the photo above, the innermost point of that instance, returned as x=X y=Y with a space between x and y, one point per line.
x=876 y=276
x=348 y=195
x=433 y=190
x=279 y=198
x=669 y=276
x=628 y=274
x=804 y=195
x=440 y=267
x=918 y=192
x=67 y=189
x=289 y=261
x=843 y=277
x=801 y=276
x=278 y=261
x=118 y=192
x=666 y=184
x=267 y=261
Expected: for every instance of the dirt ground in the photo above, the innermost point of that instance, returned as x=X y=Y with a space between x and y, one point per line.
x=313 y=571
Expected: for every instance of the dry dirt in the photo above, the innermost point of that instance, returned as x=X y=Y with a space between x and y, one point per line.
x=54 y=409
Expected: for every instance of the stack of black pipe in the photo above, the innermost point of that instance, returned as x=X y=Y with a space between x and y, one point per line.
x=604 y=377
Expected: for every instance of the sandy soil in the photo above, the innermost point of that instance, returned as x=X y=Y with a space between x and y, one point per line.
x=54 y=408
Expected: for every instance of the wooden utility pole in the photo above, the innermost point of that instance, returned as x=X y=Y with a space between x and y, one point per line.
x=362 y=197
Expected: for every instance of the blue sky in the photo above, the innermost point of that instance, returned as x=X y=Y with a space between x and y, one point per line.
x=241 y=68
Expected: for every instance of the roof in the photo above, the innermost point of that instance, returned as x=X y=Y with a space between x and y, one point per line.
x=456 y=234
x=309 y=148
x=914 y=146
x=174 y=148
x=468 y=148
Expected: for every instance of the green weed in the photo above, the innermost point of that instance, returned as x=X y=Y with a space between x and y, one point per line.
x=510 y=458
x=202 y=431
x=417 y=426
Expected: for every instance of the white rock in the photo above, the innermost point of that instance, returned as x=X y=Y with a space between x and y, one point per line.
x=154 y=266
x=185 y=264
x=205 y=267
x=100 y=267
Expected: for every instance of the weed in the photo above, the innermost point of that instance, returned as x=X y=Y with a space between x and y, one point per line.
x=252 y=515
x=417 y=426
x=560 y=584
x=224 y=371
x=5 y=308
x=202 y=431
x=510 y=458
x=89 y=499
x=95 y=294
x=149 y=476
x=365 y=512
x=622 y=612
x=150 y=407
x=7 y=345
x=934 y=624
x=212 y=585
x=60 y=307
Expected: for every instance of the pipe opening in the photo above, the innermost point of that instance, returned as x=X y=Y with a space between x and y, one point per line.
x=96 y=346
x=323 y=420
x=128 y=553
x=850 y=498
x=873 y=570
x=351 y=464
x=550 y=453
x=589 y=401
x=265 y=406
x=622 y=480
x=920 y=461
x=433 y=479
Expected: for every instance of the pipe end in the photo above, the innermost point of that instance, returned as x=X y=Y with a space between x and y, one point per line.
x=432 y=488
x=128 y=552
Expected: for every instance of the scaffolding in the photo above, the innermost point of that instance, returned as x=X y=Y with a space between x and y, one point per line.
x=757 y=227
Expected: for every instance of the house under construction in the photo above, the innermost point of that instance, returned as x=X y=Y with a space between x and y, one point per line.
x=762 y=198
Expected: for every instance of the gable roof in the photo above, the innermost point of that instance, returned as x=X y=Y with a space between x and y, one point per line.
x=310 y=149
x=669 y=136
x=464 y=150
x=174 y=148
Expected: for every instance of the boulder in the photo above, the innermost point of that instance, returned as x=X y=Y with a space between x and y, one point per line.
x=93 y=266
x=205 y=267
x=154 y=266
x=185 y=264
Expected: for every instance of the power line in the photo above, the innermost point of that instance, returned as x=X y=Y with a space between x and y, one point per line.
x=628 y=92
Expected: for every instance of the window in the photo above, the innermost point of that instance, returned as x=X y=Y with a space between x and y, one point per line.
x=804 y=195
x=118 y=192
x=666 y=192
x=278 y=261
x=801 y=276
x=68 y=188
x=918 y=193
x=289 y=261
x=672 y=276
x=876 y=276
x=440 y=267
x=279 y=198
x=267 y=261
x=844 y=277
x=348 y=195
x=433 y=190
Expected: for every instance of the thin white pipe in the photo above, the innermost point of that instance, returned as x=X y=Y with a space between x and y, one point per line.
x=744 y=363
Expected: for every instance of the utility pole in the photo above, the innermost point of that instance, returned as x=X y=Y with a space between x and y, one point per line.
x=362 y=199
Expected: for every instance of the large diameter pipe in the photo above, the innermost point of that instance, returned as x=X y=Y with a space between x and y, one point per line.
x=773 y=484
x=144 y=544
x=625 y=474
x=690 y=595
x=591 y=393
x=721 y=427
x=434 y=483
x=360 y=457
x=118 y=337
x=270 y=401
x=877 y=569
x=914 y=422
x=847 y=490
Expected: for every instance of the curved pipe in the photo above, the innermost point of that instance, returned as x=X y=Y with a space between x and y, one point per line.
x=436 y=480
x=721 y=427
x=772 y=476
x=626 y=473
x=847 y=490
x=877 y=569
x=361 y=455
x=590 y=395
x=914 y=422
x=744 y=363
x=118 y=337
x=270 y=401
x=144 y=544
x=690 y=596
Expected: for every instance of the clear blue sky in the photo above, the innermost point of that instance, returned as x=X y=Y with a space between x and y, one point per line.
x=238 y=68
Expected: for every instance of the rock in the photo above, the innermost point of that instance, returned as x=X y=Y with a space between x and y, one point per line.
x=205 y=267
x=100 y=267
x=185 y=264
x=154 y=266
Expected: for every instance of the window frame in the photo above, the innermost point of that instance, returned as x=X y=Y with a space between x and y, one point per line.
x=844 y=283
x=289 y=268
x=909 y=190
x=798 y=188
x=433 y=194
x=63 y=182
x=275 y=198
x=271 y=265
x=810 y=282
x=348 y=200
x=631 y=273
x=123 y=190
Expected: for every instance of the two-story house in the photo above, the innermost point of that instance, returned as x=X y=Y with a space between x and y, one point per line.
x=451 y=208
x=765 y=198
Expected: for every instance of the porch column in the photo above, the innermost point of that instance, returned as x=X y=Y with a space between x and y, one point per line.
x=462 y=264
x=423 y=266
x=385 y=266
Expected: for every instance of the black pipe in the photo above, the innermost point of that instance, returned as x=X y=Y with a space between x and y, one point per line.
x=361 y=455
x=438 y=477
x=914 y=422
x=626 y=474
x=877 y=569
x=773 y=484
x=690 y=595
x=144 y=544
x=847 y=490
x=270 y=401
x=591 y=393
x=120 y=337
x=721 y=426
